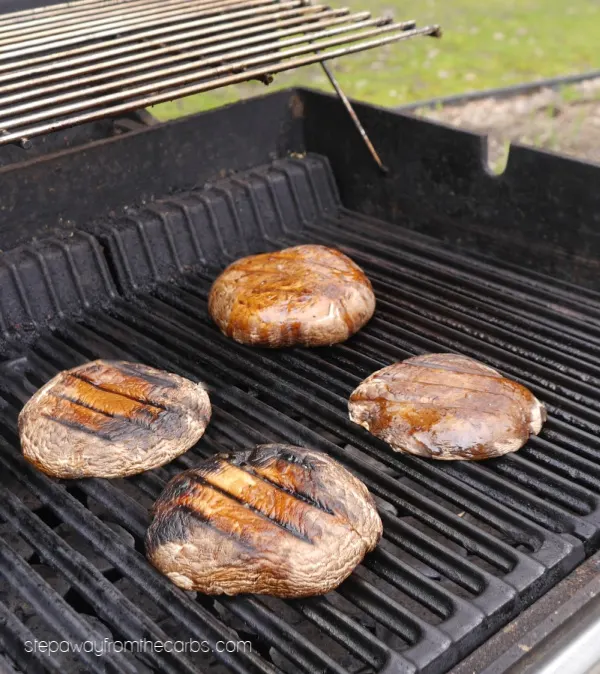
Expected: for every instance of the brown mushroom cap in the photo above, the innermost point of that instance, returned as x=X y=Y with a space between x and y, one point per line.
x=446 y=406
x=307 y=295
x=277 y=520
x=111 y=419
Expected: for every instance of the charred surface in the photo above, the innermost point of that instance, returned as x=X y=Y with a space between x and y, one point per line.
x=108 y=419
x=303 y=524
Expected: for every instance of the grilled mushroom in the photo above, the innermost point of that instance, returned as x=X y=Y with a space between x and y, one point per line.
x=277 y=520
x=306 y=295
x=111 y=419
x=445 y=406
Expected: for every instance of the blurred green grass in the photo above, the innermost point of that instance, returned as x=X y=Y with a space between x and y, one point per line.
x=486 y=44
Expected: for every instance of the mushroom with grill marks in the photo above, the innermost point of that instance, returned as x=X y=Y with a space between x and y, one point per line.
x=111 y=419
x=446 y=406
x=277 y=520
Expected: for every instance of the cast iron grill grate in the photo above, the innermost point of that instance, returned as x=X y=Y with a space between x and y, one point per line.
x=466 y=546
x=78 y=62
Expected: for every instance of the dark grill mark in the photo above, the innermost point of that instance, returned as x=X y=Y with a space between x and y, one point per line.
x=175 y=524
x=141 y=423
x=208 y=523
x=286 y=526
x=106 y=389
x=293 y=458
x=130 y=369
x=300 y=496
x=103 y=434
x=172 y=493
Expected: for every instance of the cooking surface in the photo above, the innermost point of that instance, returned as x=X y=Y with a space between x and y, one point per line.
x=466 y=545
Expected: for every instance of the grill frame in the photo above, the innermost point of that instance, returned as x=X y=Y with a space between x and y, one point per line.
x=114 y=253
x=539 y=214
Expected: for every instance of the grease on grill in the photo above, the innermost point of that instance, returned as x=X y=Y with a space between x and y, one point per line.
x=446 y=406
x=111 y=419
x=307 y=295
x=277 y=520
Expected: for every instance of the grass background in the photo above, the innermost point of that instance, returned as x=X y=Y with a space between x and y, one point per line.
x=486 y=43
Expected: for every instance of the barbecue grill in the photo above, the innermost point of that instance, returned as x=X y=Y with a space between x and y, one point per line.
x=113 y=230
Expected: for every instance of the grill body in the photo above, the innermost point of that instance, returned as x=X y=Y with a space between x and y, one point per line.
x=129 y=233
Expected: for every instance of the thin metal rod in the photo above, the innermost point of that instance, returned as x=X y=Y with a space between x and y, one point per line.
x=357 y=123
x=66 y=18
x=121 y=77
x=150 y=38
x=101 y=112
x=165 y=78
x=128 y=16
x=248 y=7
x=354 y=117
x=38 y=86
x=47 y=10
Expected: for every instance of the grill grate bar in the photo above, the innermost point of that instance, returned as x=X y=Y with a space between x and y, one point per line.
x=12 y=637
x=65 y=69
x=270 y=60
x=526 y=282
x=36 y=13
x=477 y=277
x=479 y=318
x=61 y=617
x=362 y=643
x=501 y=323
x=91 y=585
x=567 y=458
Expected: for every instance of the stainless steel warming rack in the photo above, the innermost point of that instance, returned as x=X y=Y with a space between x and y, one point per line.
x=77 y=62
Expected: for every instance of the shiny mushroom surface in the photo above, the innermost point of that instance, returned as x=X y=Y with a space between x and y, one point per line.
x=448 y=407
x=307 y=295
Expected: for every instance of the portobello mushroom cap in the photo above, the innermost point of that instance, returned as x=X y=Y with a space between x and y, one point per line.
x=307 y=295
x=446 y=406
x=111 y=419
x=277 y=520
